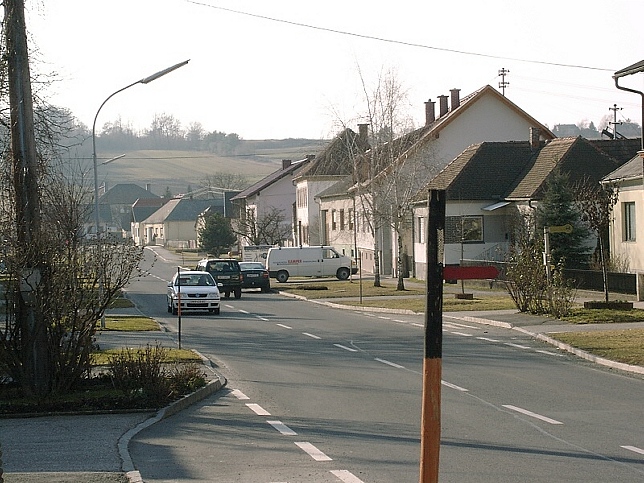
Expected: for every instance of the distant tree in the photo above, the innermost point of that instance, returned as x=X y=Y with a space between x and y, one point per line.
x=195 y=135
x=217 y=235
x=167 y=194
x=557 y=208
x=226 y=181
x=270 y=228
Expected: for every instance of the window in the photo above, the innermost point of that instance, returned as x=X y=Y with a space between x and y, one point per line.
x=470 y=229
x=350 y=215
x=628 y=210
x=420 y=229
x=341 y=219
x=334 y=220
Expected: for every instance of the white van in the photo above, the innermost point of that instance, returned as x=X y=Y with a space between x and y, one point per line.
x=319 y=261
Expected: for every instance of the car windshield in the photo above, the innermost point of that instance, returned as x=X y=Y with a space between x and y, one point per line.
x=195 y=280
x=223 y=267
x=251 y=266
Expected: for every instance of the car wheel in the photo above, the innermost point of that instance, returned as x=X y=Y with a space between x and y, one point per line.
x=227 y=295
x=169 y=307
x=216 y=311
x=266 y=289
x=175 y=311
x=343 y=273
x=282 y=276
x=238 y=293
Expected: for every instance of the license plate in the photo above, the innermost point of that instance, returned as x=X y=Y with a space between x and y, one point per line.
x=251 y=275
x=224 y=277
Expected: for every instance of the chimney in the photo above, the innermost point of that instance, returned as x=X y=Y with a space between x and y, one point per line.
x=286 y=163
x=430 y=112
x=534 y=137
x=443 y=105
x=363 y=134
x=456 y=98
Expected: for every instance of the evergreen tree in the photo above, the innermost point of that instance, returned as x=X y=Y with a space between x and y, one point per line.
x=217 y=234
x=558 y=208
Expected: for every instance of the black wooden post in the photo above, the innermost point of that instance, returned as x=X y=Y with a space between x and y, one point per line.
x=432 y=363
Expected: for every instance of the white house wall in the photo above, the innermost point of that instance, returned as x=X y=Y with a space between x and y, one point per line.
x=630 y=251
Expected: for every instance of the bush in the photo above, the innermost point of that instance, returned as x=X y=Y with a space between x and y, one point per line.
x=139 y=373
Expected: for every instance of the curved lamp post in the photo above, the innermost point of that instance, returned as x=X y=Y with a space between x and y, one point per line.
x=97 y=221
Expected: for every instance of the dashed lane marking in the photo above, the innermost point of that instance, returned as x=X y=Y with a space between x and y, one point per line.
x=282 y=428
x=518 y=346
x=257 y=409
x=346 y=476
x=488 y=339
x=634 y=449
x=531 y=414
x=312 y=336
x=350 y=349
x=284 y=326
x=454 y=386
x=313 y=452
x=389 y=363
x=239 y=395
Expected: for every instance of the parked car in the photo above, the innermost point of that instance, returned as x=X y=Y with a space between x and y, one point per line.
x=226 y=272
x=193 y=290
x=255 y=275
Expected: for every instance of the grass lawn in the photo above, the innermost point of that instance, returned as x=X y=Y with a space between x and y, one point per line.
x=129 y=323
x=626 y=346
x=101 y=358
x=603 y=316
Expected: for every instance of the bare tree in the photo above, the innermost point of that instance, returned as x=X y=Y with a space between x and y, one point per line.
x=225 y=181
x=596 y=204
x=269 y=228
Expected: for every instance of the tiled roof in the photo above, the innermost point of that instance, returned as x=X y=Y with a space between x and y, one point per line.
x=336 y=159
x=630 y=170
x=271 y=178
x=623 y=150
x=337 y=189
x=178 y=209
x=125 y=194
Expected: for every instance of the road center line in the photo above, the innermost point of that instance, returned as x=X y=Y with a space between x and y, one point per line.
x=263 y=319
x=313 y=452
x=350 y=349
x=239 y=395
x=531 y=414
x=454 y=386
x=518 y=346
x=418 y=325
x=488 y=339
x=284 y=326
x=257 y=409
x=461 y=333
x=389 y=363
x=311 y=335
x=242 y=311
x=550 y=353
x=635 y=449
x=282 y=428
x=346 y=476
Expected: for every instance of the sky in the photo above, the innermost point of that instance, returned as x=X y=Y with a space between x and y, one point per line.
x=295 y=69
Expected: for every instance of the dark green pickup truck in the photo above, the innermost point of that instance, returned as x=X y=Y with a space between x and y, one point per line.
x=226 y=273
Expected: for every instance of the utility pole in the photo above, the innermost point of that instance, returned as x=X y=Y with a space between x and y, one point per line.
x=615 y=123
x=430 y=431
x=503 y=84
x=36 y=377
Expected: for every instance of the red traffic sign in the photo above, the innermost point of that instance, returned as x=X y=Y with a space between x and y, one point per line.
x=470 y=273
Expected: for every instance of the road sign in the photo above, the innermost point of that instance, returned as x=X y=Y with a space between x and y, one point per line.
x=561 y=229
x=470 y=273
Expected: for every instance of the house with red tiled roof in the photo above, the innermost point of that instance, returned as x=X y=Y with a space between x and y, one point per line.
x=488 y=183
x=483 y=115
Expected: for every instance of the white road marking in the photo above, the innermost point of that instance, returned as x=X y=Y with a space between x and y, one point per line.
x=257 y=409
x=346 y=476
x=350 y=349
x=400 y=321
x=384 y=318
x=461 y=333
x=518 y=346
x=313 y=452
x=531 y=414
x=454 y=386
x=239 y=395
x=311 y=335
x=550 y=353
x=464 y=326
x=284 y=326
x=282 y=428
x=242 y=311
x=264 y=319
x=488 y=339
x=389 y=363
x=635 y=449
x=418 y=325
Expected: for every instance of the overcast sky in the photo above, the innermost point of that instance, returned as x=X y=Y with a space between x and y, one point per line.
x=289 y=68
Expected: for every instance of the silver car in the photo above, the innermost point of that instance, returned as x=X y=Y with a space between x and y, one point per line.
x=193 y=290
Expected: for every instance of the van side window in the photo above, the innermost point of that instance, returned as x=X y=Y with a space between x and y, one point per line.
x=328 y=253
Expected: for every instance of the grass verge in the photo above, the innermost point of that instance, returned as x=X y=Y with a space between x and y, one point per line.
x=129 y=323
x=626 y=346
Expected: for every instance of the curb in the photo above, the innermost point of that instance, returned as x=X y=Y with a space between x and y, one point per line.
x=496 y=323
x=127 y=466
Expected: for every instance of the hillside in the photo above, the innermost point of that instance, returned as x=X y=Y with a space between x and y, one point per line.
x=180 y=170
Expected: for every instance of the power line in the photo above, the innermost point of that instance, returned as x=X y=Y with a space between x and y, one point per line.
x=393 y=41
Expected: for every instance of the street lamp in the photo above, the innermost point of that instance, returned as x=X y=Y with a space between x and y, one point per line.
x=145 y=80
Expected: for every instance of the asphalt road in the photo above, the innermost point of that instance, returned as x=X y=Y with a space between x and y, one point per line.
x=317 y=394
